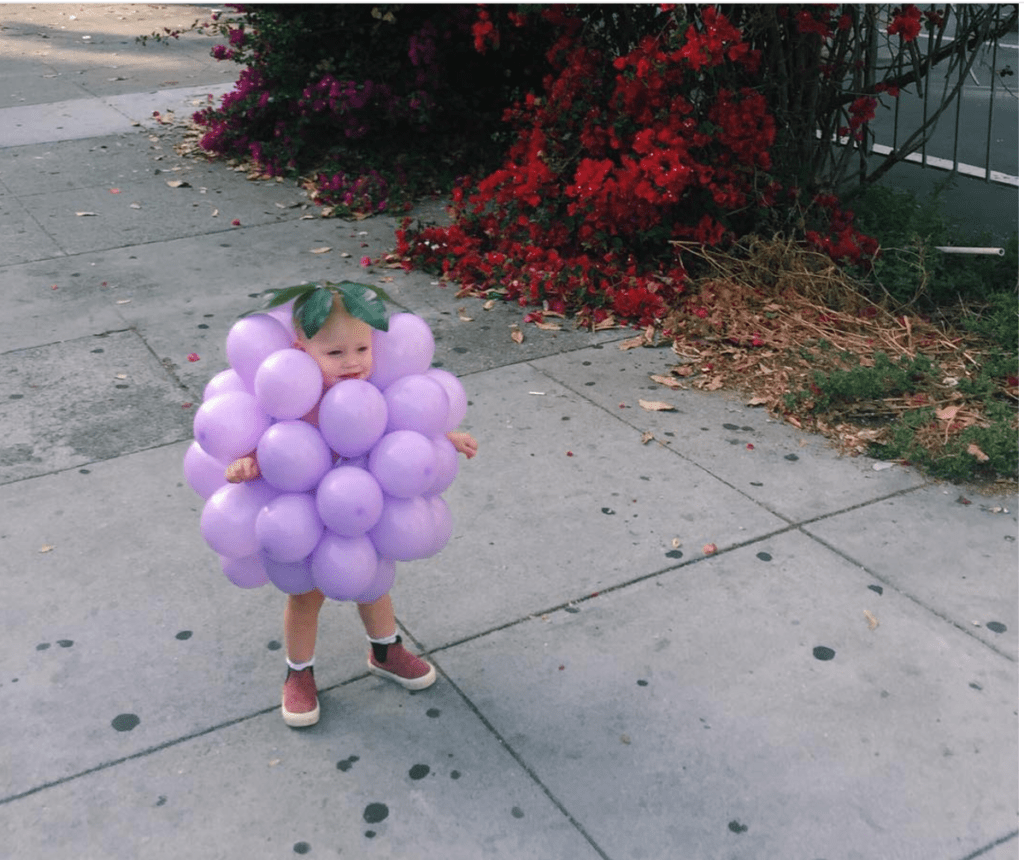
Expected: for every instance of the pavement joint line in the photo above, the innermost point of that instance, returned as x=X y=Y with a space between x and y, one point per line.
x=952 y=622
x=523 y=765
x=110 y=331
x=984 y=850
x=576 y=601
x=143 y=753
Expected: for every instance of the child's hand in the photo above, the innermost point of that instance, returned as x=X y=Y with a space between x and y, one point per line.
x=464 y=444
x=243 y=469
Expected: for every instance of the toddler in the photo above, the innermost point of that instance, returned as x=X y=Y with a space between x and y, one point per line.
x=343 y=349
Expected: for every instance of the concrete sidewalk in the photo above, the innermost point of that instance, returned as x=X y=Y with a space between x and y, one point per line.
x=607 y=690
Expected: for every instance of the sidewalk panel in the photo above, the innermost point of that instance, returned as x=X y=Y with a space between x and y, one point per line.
x=955 y=552
x=562 y=501
x=687 y=715
x=446 y=788
x=793 y=474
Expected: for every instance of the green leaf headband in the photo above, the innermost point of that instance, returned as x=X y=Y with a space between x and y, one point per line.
x=313 y=304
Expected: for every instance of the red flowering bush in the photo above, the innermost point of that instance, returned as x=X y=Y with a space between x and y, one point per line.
x=615 y=159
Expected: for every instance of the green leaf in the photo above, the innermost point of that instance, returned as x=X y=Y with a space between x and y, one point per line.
x=280 y=297
x=365 y=303
x=315 y=310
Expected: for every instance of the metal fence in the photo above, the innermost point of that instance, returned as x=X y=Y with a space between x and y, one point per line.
x=977 y=135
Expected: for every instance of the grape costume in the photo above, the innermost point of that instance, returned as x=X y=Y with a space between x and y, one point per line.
x=336 y=505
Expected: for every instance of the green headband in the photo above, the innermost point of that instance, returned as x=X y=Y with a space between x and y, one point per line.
x=313 y=304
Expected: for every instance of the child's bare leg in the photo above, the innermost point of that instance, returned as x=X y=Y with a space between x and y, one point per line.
x=301 y=614
x=378 y=617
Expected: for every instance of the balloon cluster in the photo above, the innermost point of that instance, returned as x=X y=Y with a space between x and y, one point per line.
x=339 y=502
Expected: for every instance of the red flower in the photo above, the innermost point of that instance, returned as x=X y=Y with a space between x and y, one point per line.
x=906 y=23
x=192 y=356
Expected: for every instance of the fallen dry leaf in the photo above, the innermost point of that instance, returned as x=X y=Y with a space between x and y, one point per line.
x=84 y=214
x=977 y=453
x=324 y=250
x=177 y=183
x=709 y=549
x=489 y=304
x=947 y=414
x=872 y=621
x=463 y=315
x=606 y=323
x=46 y=548
x=632 y=343
x=546 y=326
x=667 y=380
x=676 y=543
x=517 y=334
x=647 y=437
x=657 y=406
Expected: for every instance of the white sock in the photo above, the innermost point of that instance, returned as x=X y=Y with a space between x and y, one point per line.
x=385 y=640
x=298 y=667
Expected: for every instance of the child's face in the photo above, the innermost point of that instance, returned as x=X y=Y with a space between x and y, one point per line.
x=342 y=348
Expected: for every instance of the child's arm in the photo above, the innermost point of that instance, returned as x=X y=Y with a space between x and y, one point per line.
x=243 y=469
x=464 y=444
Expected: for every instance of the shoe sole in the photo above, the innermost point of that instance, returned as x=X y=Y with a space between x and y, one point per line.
x=420 y=683
x=301 y=720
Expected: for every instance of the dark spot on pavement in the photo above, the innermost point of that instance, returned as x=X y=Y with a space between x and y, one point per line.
x=161 y=800
x=823 y=652
x=418 y=771
x=375 y=813
x=736 y=827
x=183 y=635
x=791 y=457
x=731 y=426
x=455 y=774
x=607 y=511
x=65 y=643
x=641 y=683
x=301 y=847
x=273 y=645
x=572 y=610
x=673 y=553
x=42 y=646
x=346 y=763
x=517 y=812
x=433 y=713
x=875 y=588
x=125 y=722
x=764 y=556
x=996 y=626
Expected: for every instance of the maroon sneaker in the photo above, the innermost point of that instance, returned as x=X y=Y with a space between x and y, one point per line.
x=402 y=667
x=299 y=704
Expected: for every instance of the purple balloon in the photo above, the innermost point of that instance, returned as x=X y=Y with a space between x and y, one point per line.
x=247 y=572
x=443 y=524
x=251 y=340
x=343 y=567
x=447 y=465
x=353 y=415
x=381 y=583
x=457 y=401
x=293 y=456
x=417 y=403
x=406 y=347
x=283 y=314
x=404 y=463
x=228 y=521
x=222 y=383
x=349 y=500
x=205 y=474
x=288 y=384
x=405 y=530
x=230 y=425
x=288 y=528
x=291 y=577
